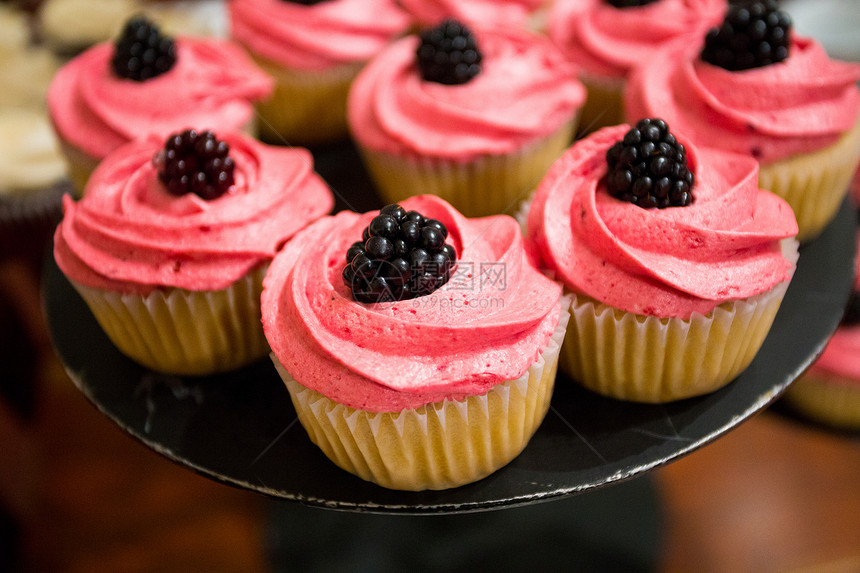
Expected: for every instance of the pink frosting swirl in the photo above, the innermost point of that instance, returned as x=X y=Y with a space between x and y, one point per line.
x=524 y=91
x=128 y=234
x=317 y=36
x=799 y=105
x=660 y=262
x=474 y=12
x=607 y=42
x=466 y=337
x=841 y=357
x=212 y=85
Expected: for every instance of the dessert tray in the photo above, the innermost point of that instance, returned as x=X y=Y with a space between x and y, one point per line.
x=240 y=428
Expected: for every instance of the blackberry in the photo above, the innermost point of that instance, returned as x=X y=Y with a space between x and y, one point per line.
x=402 y=255
x=195 y=162
x=752 y=35
x=629 y=3
x=648 y=167
x=448 y=54
x=141 y=52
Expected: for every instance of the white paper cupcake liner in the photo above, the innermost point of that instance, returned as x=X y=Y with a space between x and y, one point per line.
x=814 y=184
x=649 y=359
x=435 y=446
x=185 y=332
x=486 y=185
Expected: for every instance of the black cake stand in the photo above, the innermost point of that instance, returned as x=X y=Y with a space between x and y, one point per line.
x=241 y=429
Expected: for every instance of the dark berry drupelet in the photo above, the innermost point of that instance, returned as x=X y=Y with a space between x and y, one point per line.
x=648 y=167
x=195 y=162
x=142 y=52
x=752 y=35
x=629 y=3
x=402 y=255
x=448 y=54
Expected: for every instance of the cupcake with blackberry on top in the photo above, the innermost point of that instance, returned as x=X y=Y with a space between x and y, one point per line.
x=474 y=117
x=526 y=14
x=607 y=39
x=313 y=49
x=148 y=83
x=677 y=262
x=419 y=347
x=751 y=86
x=169 y=245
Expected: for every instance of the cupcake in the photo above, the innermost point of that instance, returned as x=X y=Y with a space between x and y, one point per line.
x=314 y=50
x=420 y=386
x=795 y=110
x=170 y=243
x=606 y=39
x=32 y=182
x=72 y=26
x=829 y=391
x=105 y=97
x=528 y=14
x=677 y=265
x=479 y=135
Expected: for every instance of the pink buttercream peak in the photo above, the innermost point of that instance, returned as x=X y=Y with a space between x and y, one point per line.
x=129 y=234
x=317 y=36
x=525 y=91
x=485 y=326
x=799 y=105
x=608 y=42
x=212 y=85
x=660 y=262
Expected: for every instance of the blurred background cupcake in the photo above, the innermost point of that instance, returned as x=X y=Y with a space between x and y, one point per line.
x=606 y=39
x=829 y=391
x=473 y=116
x=313 y=50
x=146 y=83
x=32 y=170
x=71 y=26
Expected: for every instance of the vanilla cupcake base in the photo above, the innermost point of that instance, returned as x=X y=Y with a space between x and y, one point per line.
x=308 y=106
x=834 y=402
x=436 y=446
x=649 y=359
x=814 y=184
x=487 y=185
x=184 y=332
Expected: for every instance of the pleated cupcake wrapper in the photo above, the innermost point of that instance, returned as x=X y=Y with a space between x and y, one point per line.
x=308 y=106
x=604 y=104
x=487 y=185
x=814 y=184
x=184 y=332
x=649 y=359
x=435 y=446
x=835 y=402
